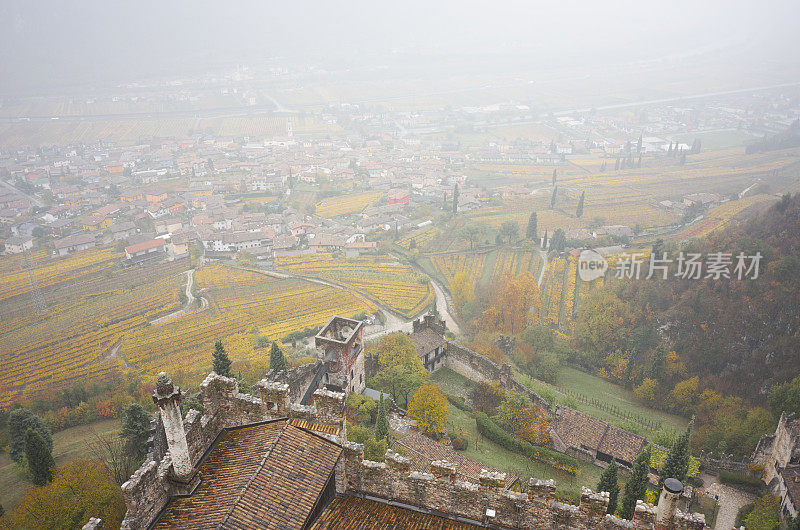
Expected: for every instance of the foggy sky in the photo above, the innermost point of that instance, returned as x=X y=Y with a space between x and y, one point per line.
x=44 y=44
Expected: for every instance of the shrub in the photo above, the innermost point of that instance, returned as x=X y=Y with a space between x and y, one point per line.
x=727 y=477
x=459 y=444
x=458 y=402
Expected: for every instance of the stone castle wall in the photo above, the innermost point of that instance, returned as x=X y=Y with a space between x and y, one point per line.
x=476 y=367
x=440 y=491
x=298 y=379
x=151 y=486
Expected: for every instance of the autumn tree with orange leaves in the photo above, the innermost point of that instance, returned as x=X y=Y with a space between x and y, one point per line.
x=511 y=303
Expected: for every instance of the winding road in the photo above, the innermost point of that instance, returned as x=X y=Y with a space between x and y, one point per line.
x=187 y=306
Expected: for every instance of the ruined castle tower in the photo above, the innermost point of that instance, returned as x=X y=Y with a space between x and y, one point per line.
x=168 y=398
x=340 y=345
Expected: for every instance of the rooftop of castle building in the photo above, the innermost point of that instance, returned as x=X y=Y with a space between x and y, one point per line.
x=374 y=514
x=582 y=430
x=267 y=475
x=426 y=341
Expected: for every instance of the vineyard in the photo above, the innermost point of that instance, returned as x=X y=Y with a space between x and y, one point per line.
x=90 y=305
x=722 y=216
x=469 y=264
x=391 y=283
x=419 y=237
x=516 y=262
x=347 y=204
x=243 y=304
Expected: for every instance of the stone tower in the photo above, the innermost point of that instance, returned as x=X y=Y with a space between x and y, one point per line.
x=168 y=398
x=340 y=346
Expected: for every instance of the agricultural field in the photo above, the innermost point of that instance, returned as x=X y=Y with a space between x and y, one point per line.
x=243 y=304
x=347 y=204
x=391 y=283
x=420 y=237
x=562 y=288
x=628 y=196
x=90 y=304
x=63 y=132
x=722 y=216
x=450 y=265
x=516 y=262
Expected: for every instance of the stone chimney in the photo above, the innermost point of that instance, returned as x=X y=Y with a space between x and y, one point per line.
x=668 y=503
x=168 y=398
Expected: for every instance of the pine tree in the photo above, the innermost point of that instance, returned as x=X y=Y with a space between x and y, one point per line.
x=39 y=457
x=455 y=199
x=579 y=209
x=382 y=423
x=222 y=364
x=533 y=229
x=135 y=430
x=677 y=463
x=609 y=483
x=636 y=486
x=277 y=361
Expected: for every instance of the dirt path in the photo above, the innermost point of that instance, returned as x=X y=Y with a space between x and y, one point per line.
x=543 y=255
x=187 y=307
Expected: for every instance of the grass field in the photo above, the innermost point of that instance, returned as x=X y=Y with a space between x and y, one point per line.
x=68 y=445
x=573 y=382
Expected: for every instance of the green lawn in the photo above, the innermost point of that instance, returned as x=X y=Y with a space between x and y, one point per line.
x=484 y=450
x=68 y=444
x=572 y=380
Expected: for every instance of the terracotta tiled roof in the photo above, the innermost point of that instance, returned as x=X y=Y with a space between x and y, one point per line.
x=352 y=513
x=268 y=475
x=791 y=478
x=579 y=429
x=426 y=341
x=317 y=427
x=621 y=444
x=422 y=450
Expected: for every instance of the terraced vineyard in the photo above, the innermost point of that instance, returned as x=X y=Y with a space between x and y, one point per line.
x=391 y=283
x=420 y=237
x=243 y=304
x=722 y=216
x=91 y=303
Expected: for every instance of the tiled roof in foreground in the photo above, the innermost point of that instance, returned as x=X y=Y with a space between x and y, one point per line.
x=352 y=513
x=267 y=475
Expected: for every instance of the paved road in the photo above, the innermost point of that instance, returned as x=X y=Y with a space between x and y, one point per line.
x=730 y=501
x=11 y=187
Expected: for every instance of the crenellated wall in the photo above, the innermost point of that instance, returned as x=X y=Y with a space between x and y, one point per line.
x=151 y=486
x=440 y=491
x=298 y=379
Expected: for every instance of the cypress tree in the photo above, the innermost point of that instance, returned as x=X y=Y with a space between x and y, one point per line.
x=555 y=174
x=636 y=485
x=455 y=199
x=39 y=456
x=677 y=463
x=544 y=239
x=382 y=423
x=579 y=209
x=608 y=482
x=277 y=361
x=533 y=228
x=19 y=421
x=222 y=364
x=135 y=430
x=553 y=197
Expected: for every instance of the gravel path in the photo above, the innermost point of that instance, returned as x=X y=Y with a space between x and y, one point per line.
x=730 y=501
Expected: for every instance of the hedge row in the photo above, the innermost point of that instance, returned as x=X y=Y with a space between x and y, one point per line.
x=459 y=402
x=488 y=428
x=728 y=477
